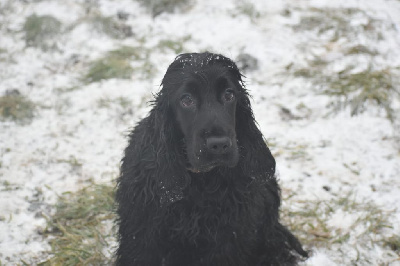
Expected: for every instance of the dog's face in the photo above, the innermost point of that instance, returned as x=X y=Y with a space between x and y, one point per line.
x=204 y=105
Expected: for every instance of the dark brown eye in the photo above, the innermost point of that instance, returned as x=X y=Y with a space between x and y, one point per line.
x=187 y=100
x=228 y=95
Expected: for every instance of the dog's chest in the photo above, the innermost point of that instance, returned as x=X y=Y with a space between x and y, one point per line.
x=213 y=217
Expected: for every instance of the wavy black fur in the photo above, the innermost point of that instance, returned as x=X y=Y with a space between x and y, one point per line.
x=226 y=216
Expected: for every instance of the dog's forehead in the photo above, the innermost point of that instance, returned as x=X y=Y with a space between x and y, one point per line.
x=203 y=69
x=203 y=81
x=195 y=60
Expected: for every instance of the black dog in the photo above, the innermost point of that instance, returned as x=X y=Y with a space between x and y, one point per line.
x=197 y=183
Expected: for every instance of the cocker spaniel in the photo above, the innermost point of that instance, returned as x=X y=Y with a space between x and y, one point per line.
x=197 y=184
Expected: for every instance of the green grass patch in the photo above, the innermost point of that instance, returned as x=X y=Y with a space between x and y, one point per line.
x=107 y=102
x=110 y=27
x=131 y=61
x=127 y=52
x=248 y=9
x=177 y=46
x=78 y=232
x=313 y=70
x=354 y=90
x=393 y=243
x=360 y=49
x=107 y=68
x=349 y=89
x=298 y=152
x=7 y=186
x=3 y=55
x=309 y=221
x=336 y=23
x=115 y=64
x=118 y=64
x=40 y=31
x=73 y=162
x=16 y=107
x=357 y=89
x=156 y=7
x=292 y=151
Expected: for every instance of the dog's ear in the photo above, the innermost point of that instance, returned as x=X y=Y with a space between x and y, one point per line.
x=153 y=165
x=153 y=175
x=171 y=174
x=256 y=158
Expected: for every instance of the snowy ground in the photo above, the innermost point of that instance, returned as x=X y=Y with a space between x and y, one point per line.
x=78 y=130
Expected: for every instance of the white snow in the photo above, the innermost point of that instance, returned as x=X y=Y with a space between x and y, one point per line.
x=358 y=154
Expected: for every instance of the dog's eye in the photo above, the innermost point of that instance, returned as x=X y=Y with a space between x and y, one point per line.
x=187 y=100
x=228 y=95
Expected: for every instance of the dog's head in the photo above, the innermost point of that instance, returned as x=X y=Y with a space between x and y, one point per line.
x=203 y=92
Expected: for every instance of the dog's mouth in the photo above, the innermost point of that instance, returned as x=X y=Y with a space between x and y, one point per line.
x=206 y=167
x=202 y=169
x=203 y=162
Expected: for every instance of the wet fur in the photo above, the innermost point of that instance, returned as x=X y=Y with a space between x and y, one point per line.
x=169 y=215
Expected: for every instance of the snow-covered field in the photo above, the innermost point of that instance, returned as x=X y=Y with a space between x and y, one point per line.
x=306 y=51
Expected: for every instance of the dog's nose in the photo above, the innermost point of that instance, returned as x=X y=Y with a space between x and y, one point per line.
x=218 y=145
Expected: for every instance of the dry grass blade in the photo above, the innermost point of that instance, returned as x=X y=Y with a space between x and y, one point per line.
x=78 y=229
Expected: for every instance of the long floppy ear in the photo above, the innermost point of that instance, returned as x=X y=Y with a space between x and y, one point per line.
x=153 y=175
x=256 y=159
x=154 y=160
x=171 y=173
